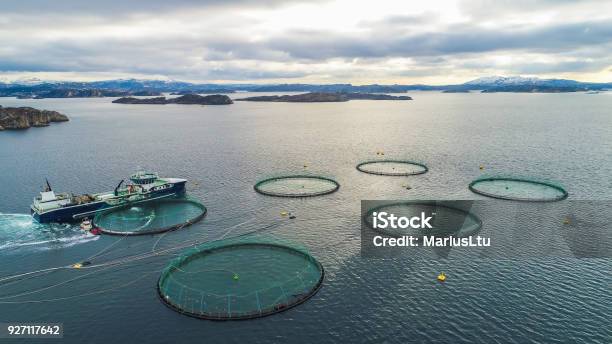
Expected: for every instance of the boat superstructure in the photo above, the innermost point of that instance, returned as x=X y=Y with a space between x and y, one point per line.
x=142 y=186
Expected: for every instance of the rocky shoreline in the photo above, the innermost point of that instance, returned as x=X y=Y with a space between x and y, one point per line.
x=15 y=118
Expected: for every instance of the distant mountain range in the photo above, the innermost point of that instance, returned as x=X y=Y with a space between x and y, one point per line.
x=34 y=88
x=521 y=84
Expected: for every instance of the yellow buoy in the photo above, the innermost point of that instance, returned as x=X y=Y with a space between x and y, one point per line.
x=442 y=277
x=481 y=167
x=283 y=213
x=566 y=221
x=77 y=265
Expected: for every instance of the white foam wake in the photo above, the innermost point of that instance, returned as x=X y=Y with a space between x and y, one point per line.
x=21 y=231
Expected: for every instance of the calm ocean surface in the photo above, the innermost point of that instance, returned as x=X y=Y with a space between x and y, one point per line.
x=224 y=150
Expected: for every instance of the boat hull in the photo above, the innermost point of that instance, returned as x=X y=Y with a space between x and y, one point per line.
x=68 y=214
x=78 y=212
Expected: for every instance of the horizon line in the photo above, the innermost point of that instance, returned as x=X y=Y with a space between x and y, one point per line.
x=36 y=80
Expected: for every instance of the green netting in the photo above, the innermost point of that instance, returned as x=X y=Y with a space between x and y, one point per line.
x=297 y=186
x=446 y=220
x=150 y=217
x=240 y=278
x=392 y=167
x=518 y=189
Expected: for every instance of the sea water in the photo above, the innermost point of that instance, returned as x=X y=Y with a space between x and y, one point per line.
x=224 y=150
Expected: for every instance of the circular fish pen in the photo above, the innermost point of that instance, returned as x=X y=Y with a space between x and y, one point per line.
x=239 y=279
x=150 y=217
x=518 y=189
x=297 y=186
x=392 y=167
x=446 y=219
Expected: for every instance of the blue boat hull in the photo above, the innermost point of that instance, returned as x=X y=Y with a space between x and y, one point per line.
x=67 y=215
x=77 y=212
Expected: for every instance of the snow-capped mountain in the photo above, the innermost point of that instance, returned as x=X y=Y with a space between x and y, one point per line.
x=501 y=81
x=38 y=88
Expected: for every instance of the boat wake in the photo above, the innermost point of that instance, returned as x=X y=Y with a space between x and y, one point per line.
x=20 y=231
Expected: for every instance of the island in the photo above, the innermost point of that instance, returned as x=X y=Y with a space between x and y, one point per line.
x=212 y=91
x=192 y=99
x=456 y=91
x=132 y=100
x=12 y=118
x=323 y=97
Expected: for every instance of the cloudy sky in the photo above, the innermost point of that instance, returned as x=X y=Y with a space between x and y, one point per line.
x=325 y=41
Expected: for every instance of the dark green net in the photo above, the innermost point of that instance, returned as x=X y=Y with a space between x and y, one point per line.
x=392 y=167
x=240 y=278
x=518 y=189
x=301 y=185
x=150 y=217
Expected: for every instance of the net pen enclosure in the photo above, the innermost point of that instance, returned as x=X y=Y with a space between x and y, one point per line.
x=152 y=217
x=240 y=278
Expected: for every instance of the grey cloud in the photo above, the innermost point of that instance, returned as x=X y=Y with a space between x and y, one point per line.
x=557 y=64
x=120 y=7
x=488 y=9
x=457 y=39
x=237 y=73
x=561 y=67
x=50 y=42
x=394 y=22
x=177 y=55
